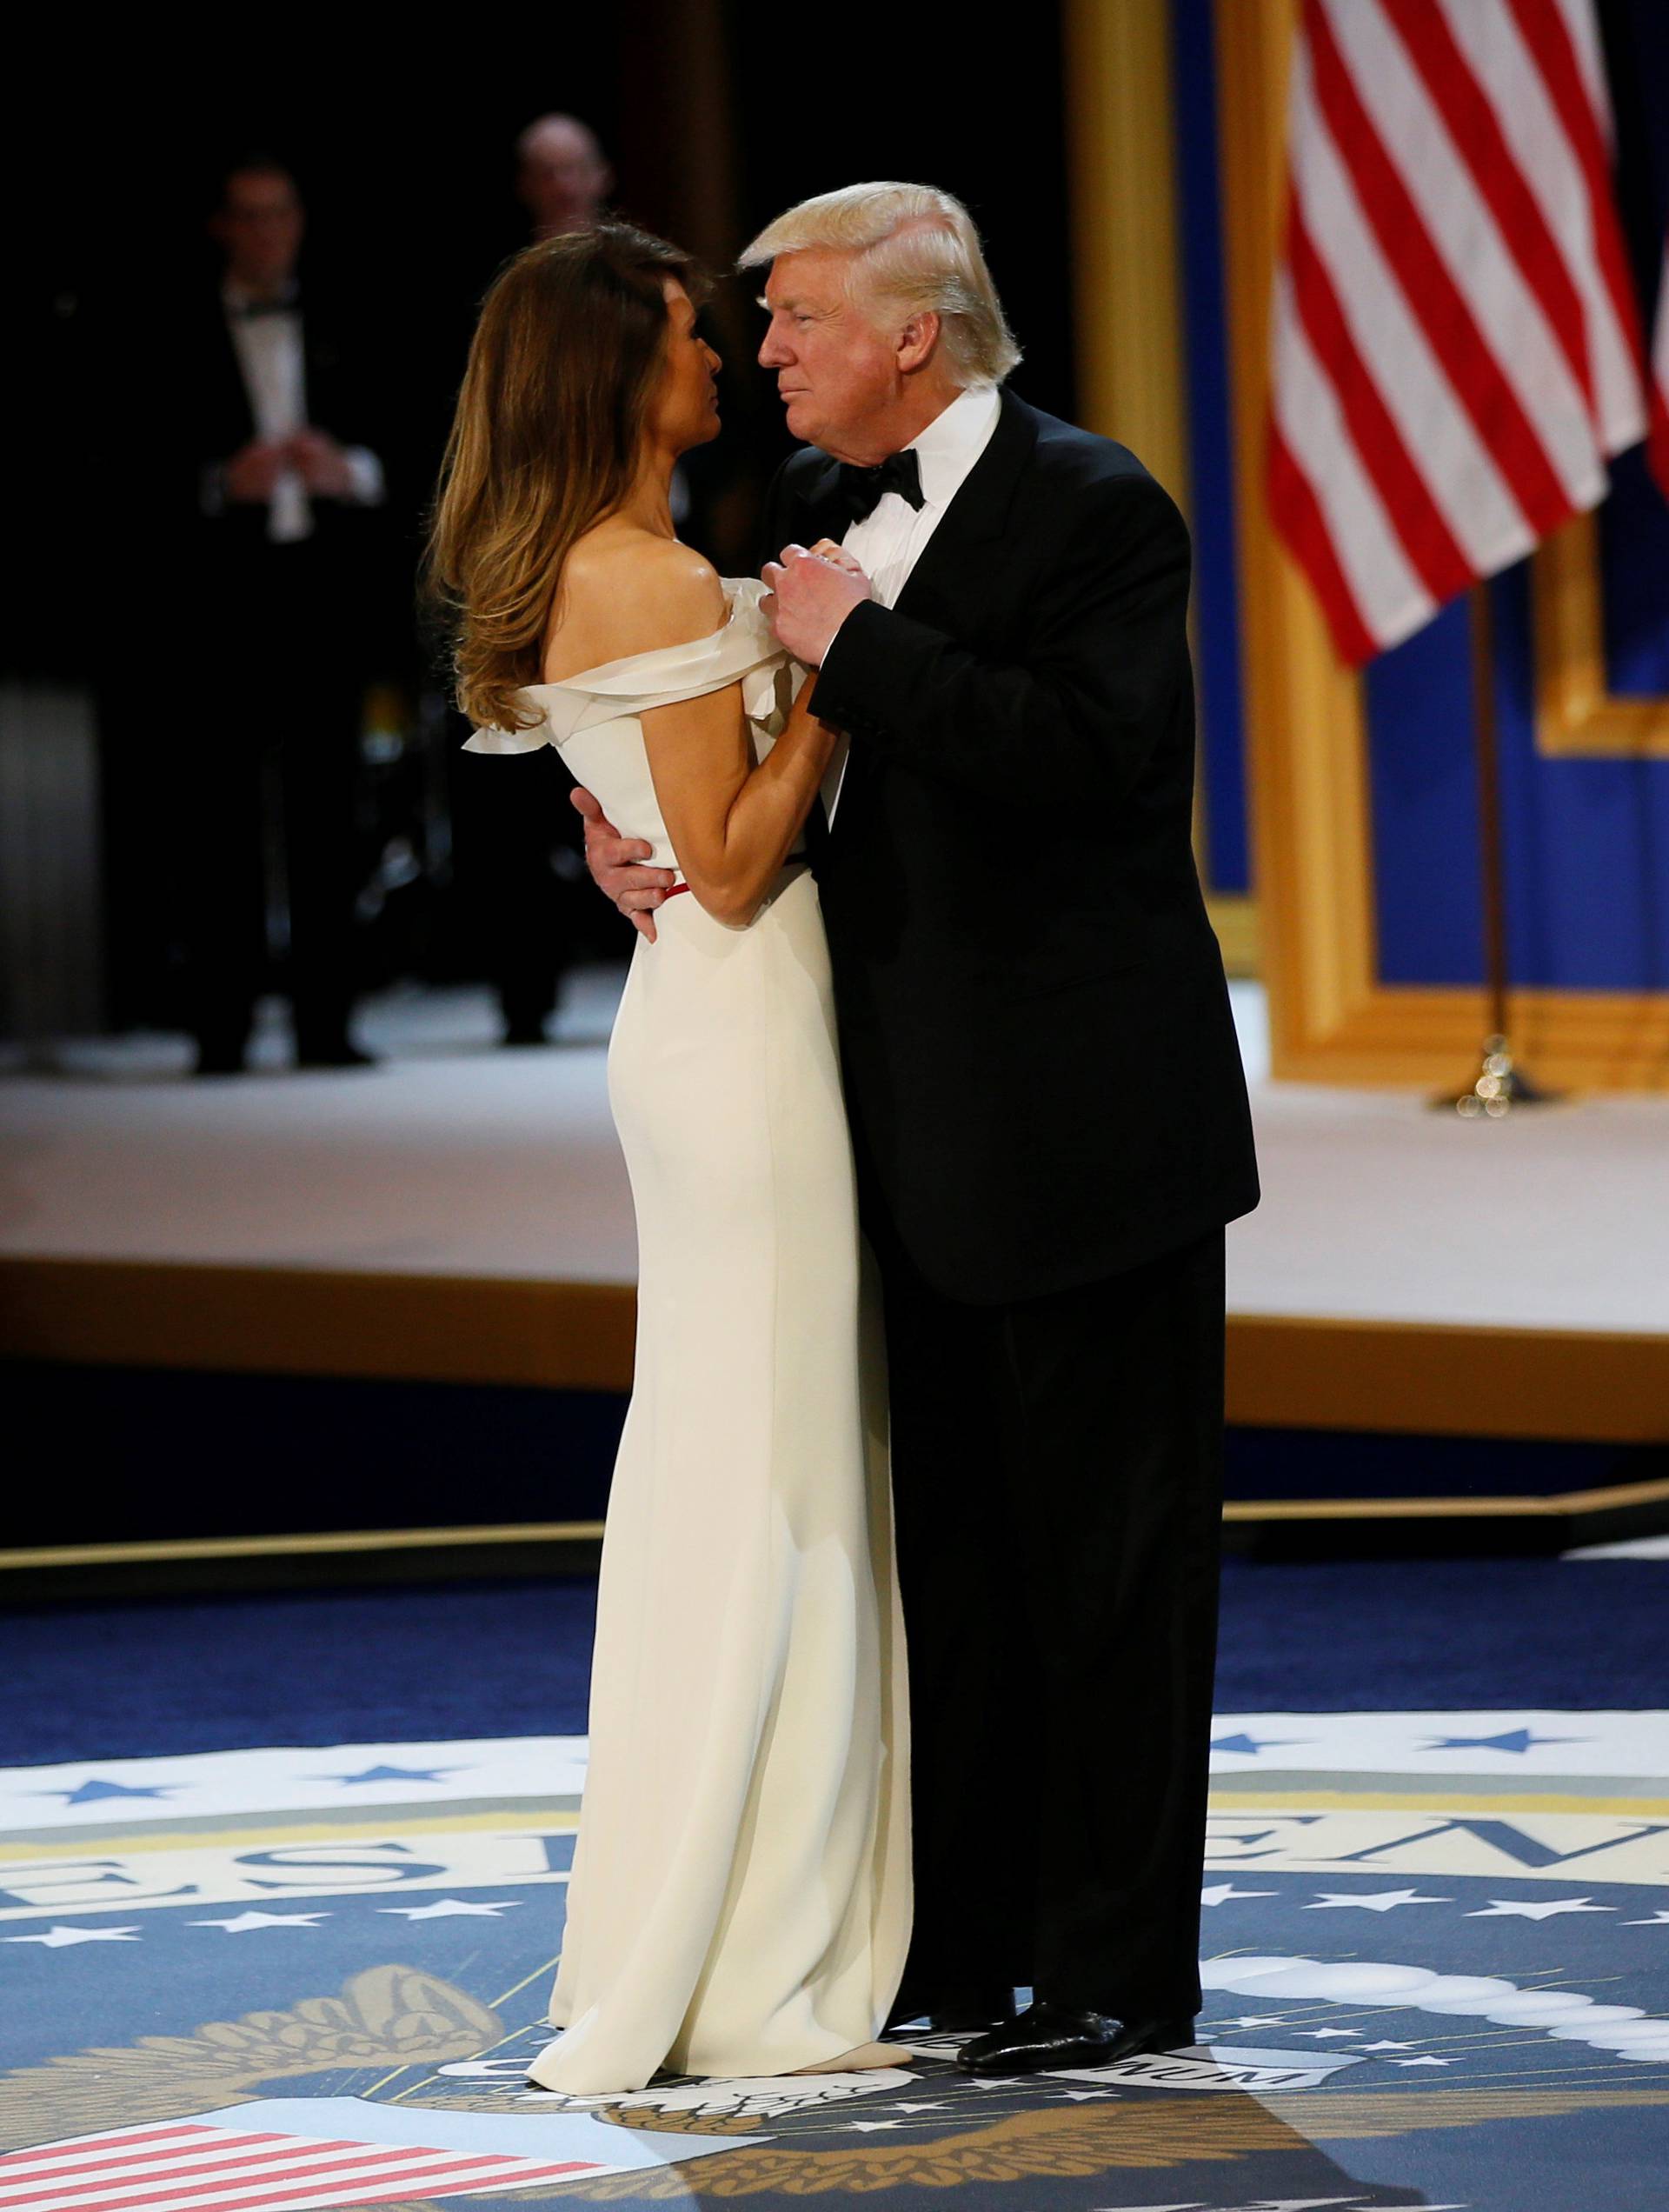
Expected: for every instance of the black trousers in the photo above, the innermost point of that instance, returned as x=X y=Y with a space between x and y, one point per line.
x=509 y=813
x=1057 y=1479
x=275 y=724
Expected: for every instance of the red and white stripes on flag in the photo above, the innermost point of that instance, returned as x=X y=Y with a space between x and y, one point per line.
x=1456 y=339
x=189 y=2167
x=1659 y=403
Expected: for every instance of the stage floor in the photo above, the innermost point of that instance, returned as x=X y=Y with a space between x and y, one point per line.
x=452 y=1158
x=1540 y=1238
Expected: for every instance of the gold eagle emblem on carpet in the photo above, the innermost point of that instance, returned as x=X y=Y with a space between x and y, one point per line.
x=399 y=2018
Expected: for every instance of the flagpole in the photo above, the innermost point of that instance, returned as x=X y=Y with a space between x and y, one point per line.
x=1499 y=1084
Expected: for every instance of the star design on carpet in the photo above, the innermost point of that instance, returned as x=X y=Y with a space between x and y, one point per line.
x=872 y=2127
x=240 y=1923
x=1519 y=1740
x=1372 y=1901
x=1525 y=1908
x=1323 y=2035
x=55 y=1939
x=393 y=1774
x=1388 y=2043
x=1086 y=2096
x=1659 y=1920
x=1421 y=2062
x=1259 y=2019
x=938 y=2107
x=1222 y=1893
x=1249 y=1746
x=95 y=1792
x=452 y=1908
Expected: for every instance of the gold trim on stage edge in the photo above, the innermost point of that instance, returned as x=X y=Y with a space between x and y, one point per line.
x=1237 y=1512
x=1285 y=1371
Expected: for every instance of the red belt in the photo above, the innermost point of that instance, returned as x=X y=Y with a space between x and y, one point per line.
x=673 y=892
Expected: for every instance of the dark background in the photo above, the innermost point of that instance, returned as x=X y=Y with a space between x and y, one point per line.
x=716 y=117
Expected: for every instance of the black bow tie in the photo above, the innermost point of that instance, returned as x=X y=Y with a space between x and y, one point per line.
x=862 y=490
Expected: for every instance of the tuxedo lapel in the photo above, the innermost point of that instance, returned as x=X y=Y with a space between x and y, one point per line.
x=225 y=413
x=977 y=516
x=943 y=586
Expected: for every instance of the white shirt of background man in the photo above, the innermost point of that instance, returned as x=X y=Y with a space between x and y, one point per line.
x=274 y=366
x=887 y=543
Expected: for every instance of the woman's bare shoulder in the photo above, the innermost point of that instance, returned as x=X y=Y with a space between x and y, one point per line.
x=631 y=593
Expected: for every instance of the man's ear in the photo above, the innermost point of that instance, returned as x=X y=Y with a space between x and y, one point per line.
x=916 y=342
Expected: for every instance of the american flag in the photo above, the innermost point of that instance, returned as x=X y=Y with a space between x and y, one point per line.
x=1660 y=432
x=1456 y=344
x=194 y=2166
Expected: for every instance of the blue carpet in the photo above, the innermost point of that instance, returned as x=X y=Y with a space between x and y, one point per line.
x=1435 y=1960
x=490 y=1659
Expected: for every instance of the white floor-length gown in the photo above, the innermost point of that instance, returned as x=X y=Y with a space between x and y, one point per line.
x=740 y=1897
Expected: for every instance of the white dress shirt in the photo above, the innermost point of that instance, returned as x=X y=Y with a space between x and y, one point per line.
x=890 y=542
x=273 y=361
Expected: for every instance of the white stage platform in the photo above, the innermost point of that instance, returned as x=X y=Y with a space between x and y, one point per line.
x=1545 y=1237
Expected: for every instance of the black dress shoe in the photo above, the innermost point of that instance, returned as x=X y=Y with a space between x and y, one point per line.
x=1137 y=2037
x=951 y=2012
x=1050 y=2038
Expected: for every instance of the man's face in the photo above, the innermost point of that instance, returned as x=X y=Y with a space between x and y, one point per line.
x=563 y=178
x=260 y=226
x=835 y=372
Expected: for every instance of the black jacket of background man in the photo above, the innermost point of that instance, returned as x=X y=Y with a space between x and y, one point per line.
x=1038 y=1050
x=353 y=572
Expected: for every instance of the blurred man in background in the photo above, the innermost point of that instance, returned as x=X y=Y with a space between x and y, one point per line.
x=517 y=839
x=561 y=177
x=281 y=492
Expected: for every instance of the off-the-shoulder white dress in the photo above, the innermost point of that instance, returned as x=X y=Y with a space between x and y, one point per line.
x=740 y=1897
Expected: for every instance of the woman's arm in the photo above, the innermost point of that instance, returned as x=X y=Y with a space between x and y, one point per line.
x=731 y=823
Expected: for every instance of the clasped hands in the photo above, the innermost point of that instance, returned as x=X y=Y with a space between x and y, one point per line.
x=810 y=592
x=252 y=473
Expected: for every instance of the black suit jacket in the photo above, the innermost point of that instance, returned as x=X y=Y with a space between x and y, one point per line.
x=353 y=572
x=1039 y=1054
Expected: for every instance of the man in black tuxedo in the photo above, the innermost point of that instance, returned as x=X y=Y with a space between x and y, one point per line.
x=1048 y=1106
x=289 y=584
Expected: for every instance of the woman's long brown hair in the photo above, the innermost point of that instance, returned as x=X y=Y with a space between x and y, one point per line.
x=544 y=443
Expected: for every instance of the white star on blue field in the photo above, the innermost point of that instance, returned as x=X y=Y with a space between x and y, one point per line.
x=55 y=1938
x=240 y=1923
x=452 y=1908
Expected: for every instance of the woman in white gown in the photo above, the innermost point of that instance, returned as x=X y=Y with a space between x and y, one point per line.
x=740 y=1903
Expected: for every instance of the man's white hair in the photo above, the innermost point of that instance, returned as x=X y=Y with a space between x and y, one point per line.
x=917 y=252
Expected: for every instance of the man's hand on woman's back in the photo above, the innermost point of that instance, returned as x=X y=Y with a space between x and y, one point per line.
x=615 y=864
